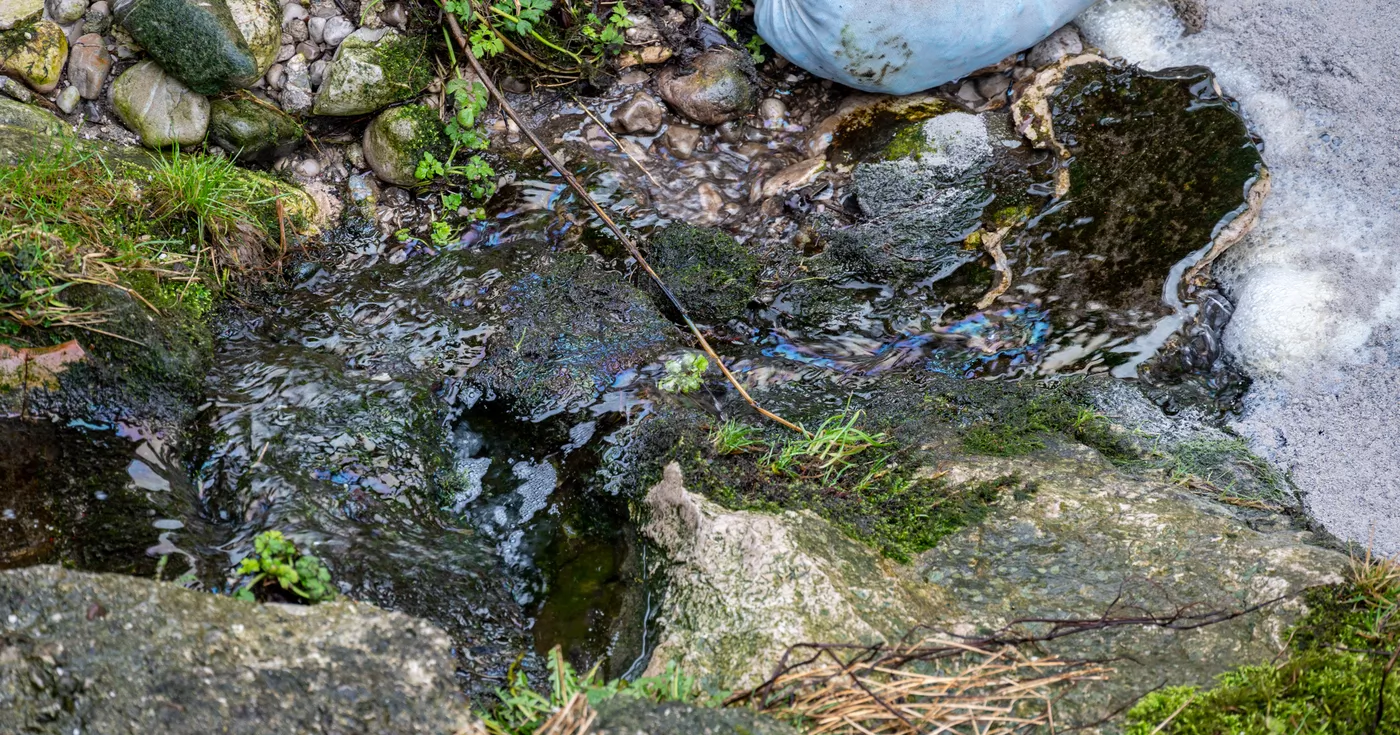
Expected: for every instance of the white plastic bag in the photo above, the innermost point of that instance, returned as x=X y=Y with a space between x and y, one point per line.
x=904 y=46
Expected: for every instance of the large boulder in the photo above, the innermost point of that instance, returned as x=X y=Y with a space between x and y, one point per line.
x=397 y=139
x=196 y=41
x=904 y=47
x=260 y=22
x=1079 y=540
x=157 y=107
x=373 y=69
x=116 y=654
x=28 y=118
x=35 y=53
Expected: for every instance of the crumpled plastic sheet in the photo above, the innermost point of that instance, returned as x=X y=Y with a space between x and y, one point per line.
x=904 y=46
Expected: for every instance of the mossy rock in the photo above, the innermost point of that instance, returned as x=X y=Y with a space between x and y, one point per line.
x=196 y=41
x=712 y=274
x=20 y=117
x=251 y=130
x=371 y=70
x=397 y=139
x=635 y=716
x=35 y=53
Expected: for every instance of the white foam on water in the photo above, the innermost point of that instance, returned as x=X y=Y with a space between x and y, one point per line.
x=1317 y=285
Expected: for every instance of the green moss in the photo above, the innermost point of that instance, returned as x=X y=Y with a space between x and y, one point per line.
x=712 y=274
x=1328 y=682
x=909 y=141
x=197 y=43
x=1022 y=418
x=877 y=497
x=1230 y=467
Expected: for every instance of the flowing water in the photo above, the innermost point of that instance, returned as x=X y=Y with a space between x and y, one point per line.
x=455 y=429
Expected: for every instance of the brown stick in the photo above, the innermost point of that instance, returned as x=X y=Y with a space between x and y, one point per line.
x=626 y=241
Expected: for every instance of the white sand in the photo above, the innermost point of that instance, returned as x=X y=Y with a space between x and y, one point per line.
x=1318 y=285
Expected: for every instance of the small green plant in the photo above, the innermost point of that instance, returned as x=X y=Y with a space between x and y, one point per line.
x=605 y=37
x=520 y=710
x=732 y=437
x=830 y=450
x=684 y=374
x=276 y=561
x=1229 y=467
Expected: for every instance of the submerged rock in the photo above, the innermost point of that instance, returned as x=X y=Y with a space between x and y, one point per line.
x=373 y=69
x=396 y=141
x=196 y=41
x=108 y=653
x=251 y=130
x=716 y=87
x=713 y=275
x=157 y=107
x=34 y=53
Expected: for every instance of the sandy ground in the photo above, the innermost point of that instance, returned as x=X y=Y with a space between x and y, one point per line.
x=1318 y=285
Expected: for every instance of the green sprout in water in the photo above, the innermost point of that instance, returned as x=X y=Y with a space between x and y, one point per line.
x=830 y=450
x=684 y=374
x=276 y=560
x=733 y=437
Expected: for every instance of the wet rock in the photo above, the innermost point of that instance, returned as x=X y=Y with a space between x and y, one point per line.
x=35 y=54
x=110 y=653
x=396 y=141
x=1061 y=43
x=566 y=331
x=373 y=69
x=641 y=114
x=713 y=275
x=251 y=130
x=66 y=11
x=772 y=111
x=68 y=100
x=1193 y=14
x=1077 y=541
x=158 y=108
x=17 y=12
x=682 y=140
x=718 y=86
x=260 y=23
x=98 y=18
x=88 y=65
x=197 y=42
x=296 y=86
x=395 y=15
x=993 y=86
x=736 y=603
x=791 y=178
x=635 y=716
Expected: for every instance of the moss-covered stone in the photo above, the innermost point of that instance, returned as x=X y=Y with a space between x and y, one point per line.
x=196 y=41
x=251 y=130
x=260 y=23
x=373 y=69
x=717 y=86
x=35 y=53
x=110 y=653
x=636 y=716
x=20 y=117
x=397 y=139
x=713 y=275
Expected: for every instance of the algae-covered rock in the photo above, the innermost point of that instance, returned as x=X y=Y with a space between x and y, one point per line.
x=108 y=653
x=635 y=716
x=717 y=86
x=396 y=141
x=196 y=41
x=252 y=130
x=35 y=53
x=1080 y=541
x=18 y=12
x=28 y=118
x=713 y=275
x=373 y=69
x=566 y=331
x=157 y=107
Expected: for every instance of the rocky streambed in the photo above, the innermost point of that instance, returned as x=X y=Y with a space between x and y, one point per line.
x=991 y=301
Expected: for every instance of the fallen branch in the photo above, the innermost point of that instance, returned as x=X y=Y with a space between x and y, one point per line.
x=460 y=39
